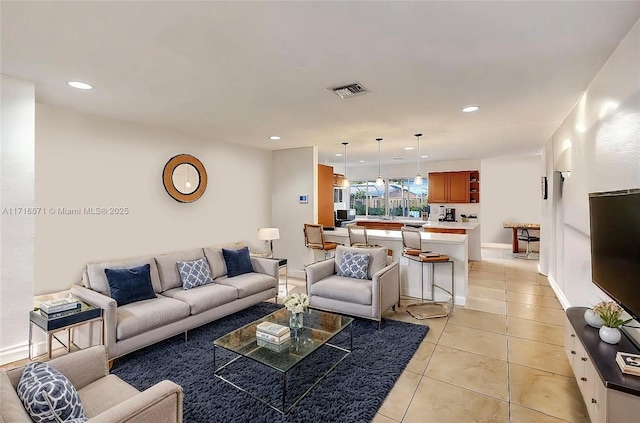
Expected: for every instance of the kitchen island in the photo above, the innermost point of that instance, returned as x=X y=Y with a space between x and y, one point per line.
x=471 y=228
x=453 y=245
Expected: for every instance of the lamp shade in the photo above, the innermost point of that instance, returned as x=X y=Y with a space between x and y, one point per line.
x=267 y=234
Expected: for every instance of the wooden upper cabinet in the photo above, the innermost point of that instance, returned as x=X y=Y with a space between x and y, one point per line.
x=438 y=192
x=459 y=187
x=452 y=187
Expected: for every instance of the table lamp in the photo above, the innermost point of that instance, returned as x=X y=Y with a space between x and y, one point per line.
x=268 y=235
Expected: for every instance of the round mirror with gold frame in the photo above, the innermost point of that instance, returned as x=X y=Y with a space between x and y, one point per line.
x=184 y=178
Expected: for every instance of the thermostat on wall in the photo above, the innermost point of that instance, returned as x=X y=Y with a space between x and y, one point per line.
x=303 y=199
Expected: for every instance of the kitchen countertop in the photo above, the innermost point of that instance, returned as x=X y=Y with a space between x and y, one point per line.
x=471 y=224
x=397 y=235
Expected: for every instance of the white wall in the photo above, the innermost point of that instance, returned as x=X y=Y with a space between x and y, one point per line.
x=509 y=192
x=295 y=173
x=89 y=161
x=17 y=108
x=605 y=157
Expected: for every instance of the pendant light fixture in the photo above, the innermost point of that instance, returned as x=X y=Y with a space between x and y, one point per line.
x=345 y=181
x=418 y=179
x=379 y=180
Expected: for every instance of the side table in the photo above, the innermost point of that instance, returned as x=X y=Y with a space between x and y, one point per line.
x=66 y=320
x=282 y=264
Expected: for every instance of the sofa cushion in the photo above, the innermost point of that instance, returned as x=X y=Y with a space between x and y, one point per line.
x=194 y=273
x=216 y=259
x=340 y=288
x=105 y=393
x=377 y=262
x=48 y=395
x=97 y=280
x=249 y=283
x=238 y=262
x=354 y=265
x=168 y=266
x=142 y=316
x=130 y=285
x=205 y=297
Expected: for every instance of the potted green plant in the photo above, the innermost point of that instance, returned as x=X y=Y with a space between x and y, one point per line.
x=610 y=312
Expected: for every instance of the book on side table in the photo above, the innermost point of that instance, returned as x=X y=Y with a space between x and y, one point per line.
x=628 y=363
x=58 y=305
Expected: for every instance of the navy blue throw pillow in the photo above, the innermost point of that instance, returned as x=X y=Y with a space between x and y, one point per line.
x=130 y=285
x=238 y=261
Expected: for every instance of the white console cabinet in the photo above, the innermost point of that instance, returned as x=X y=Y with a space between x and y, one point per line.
x=610 y=395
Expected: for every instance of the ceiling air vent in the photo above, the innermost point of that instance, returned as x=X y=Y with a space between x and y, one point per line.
x=348 y=91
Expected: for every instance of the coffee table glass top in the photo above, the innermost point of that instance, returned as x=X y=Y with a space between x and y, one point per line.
x=318 y=328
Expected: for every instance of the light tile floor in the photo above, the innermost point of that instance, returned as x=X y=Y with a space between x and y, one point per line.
x=498 y=359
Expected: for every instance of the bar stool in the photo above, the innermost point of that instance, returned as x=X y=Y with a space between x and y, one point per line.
x=432 y=308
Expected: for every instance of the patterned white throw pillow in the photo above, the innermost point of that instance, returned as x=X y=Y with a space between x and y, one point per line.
x=48 y=396
x=194 y=273
x=354 y=265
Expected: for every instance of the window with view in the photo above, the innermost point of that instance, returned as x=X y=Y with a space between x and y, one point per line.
x=399 y=196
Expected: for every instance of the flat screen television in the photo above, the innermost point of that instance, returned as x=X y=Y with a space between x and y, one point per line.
x=615 y=246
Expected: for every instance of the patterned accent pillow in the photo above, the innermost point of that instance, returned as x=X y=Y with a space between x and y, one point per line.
x=48 y=396
x=194 y=273
x=354 y=265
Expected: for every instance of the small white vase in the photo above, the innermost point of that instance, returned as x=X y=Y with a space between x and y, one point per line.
x=610 y=335
x=592 y=318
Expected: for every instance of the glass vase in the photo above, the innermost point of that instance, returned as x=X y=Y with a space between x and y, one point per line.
x=295 y=321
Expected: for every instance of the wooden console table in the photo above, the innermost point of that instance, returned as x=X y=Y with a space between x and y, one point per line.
x=515 y=227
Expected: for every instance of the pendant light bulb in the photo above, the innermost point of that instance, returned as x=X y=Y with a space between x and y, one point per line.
x=379 y=180
x=345 y=181
x=418 y=179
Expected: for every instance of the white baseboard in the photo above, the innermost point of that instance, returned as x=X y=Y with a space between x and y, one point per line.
x=14 y=353
x=496 y=245
x=561 y=297
x=297 y=274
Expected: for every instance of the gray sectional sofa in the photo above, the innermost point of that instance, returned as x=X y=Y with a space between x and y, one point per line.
x=175 y=310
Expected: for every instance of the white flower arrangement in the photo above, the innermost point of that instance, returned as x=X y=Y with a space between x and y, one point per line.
x=297 y=303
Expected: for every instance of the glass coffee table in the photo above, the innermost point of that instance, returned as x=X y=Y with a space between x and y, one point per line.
x=300 y=352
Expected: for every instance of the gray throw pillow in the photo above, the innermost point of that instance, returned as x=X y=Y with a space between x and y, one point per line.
x=354 y=265
x=48 y=396
x=194 y=273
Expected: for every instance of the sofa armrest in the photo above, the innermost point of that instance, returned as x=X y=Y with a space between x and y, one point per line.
x=161 y=403
x=318 y=271
x=267 y=266
x=109 y=310
x=386 y=286
x=84 y=366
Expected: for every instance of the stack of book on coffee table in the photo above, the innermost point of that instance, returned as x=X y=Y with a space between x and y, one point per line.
x=628 y=363
x=273 y=336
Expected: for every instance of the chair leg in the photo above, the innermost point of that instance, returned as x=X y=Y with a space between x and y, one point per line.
x=380 y=323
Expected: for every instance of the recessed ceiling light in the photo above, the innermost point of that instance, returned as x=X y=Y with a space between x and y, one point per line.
x=274 y=137
x=398 y=158
x=408 y=148
x=424 y=157
x=80 y=85
x=469 y=109
x=362 y=161
x=338 y=154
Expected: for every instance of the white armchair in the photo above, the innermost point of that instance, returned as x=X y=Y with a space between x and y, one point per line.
x=368 y=298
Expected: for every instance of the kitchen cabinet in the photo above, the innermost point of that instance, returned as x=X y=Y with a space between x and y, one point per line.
x=609 y=395
x=454 y=187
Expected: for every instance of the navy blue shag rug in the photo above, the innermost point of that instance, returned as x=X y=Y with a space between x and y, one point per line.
x=352 y=392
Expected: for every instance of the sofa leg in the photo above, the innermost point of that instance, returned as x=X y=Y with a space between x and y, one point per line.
x=185 y=336
x=380 y=324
